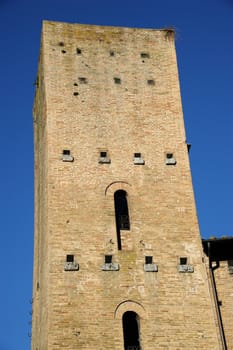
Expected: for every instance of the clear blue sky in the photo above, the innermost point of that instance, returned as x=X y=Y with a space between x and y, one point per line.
x=205 y=56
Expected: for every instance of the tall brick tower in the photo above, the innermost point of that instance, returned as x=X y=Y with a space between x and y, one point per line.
x=118 y=256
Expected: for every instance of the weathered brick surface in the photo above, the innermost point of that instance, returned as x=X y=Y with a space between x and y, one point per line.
x=74 y=201
x=224 y=285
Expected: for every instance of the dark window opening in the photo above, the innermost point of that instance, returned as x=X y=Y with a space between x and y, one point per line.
x=103 y=154
x=108 y=259
x=69 y=258
x=183 y=261
x=75 y=84
x=121 y=214
x=82 y=80
x=63 y=51
x=150 y=82
x=145 y=55
x=131 y=333
x=148 y=259
x=76 y=93
x=112 y=53
x=78 y=51
x=169 y=155
x=66 y=152
x=137 y=155
x=117 y=80
x=61 y=43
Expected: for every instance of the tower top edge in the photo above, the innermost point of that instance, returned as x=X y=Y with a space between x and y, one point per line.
x=96 y=27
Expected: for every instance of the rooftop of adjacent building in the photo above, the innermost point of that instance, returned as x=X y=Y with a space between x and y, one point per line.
x=218 y=249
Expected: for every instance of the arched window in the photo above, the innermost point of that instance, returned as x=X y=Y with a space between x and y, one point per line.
x=121 y=214
x=131 y=331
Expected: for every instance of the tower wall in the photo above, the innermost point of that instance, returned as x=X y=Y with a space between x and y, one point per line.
x=114 y=90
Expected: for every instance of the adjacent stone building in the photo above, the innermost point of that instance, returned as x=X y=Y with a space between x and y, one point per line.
x=118 y=259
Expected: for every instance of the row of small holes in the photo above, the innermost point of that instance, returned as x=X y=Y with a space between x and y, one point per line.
x=108 y=259
x=104 y=154
x=117 y=81
x=111 y=53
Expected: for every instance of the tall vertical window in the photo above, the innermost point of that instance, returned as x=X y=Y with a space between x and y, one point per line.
x=131 y=331
x=121 y=214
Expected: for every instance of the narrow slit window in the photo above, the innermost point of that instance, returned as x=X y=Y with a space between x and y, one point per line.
x=121 y=214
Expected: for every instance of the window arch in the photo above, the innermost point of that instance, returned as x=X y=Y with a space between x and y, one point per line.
x=131 y=331
x=121 y=214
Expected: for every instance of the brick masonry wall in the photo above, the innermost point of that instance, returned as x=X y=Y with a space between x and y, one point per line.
x=82 y=108
x=224 y=284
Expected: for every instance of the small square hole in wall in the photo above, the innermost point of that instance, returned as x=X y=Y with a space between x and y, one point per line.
x=78 y=51
x=82 y=80
x=103 y=154
x=66 y=152
x=117 y=80
x=61 y=43
x=183 y=261
x=148 y=259
x=145 y=55
x=170 y=160
x=63 y=51
x=112 y=53
x=108 y=259
x=169 y=155
x=69 y=258
x=150 y=82
x=137 y=155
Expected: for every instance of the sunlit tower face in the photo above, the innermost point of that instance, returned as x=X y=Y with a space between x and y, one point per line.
x=114 y=205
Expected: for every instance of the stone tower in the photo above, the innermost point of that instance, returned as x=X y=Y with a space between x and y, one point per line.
x=118 y=256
